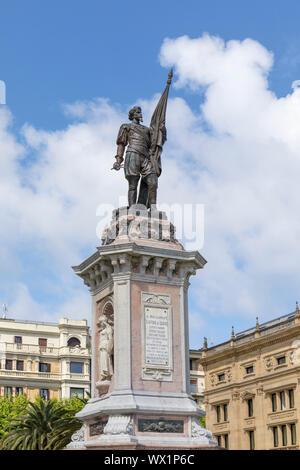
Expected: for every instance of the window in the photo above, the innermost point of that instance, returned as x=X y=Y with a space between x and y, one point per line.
x=8 y=391
x=249 y=370
x=193 y=364
x=44 y=367
x=193 y=386
x=73 y=342
x=218 y=410
x=293 y=433
x=284 y=435
x=226 y=441
x=281 y=360
x=275 y=436
x=43 y=344
x=19 y=390
x=225 y=411
x=8 y=364
x=282 y=400
x=250 y=407
x=274 y=401
x=221 y=377
x=20 y=365
x=251 y=440
x=219 y=440
x=77 y=392
x=18 y=339
x=44 y=393
x=291 y=398
x=76 y=367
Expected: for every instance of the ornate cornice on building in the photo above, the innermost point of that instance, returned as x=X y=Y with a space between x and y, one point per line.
x=252 y=343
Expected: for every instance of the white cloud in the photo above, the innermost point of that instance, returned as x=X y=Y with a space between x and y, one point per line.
x=246 y=171
x=238 y=154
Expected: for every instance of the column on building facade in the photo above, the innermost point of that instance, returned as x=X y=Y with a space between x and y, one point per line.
x=297 y=407
x=236 y=409
x=260 y=413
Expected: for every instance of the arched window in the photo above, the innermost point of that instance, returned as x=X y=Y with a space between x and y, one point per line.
x=73 y=342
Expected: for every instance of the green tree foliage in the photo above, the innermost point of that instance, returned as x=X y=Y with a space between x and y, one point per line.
x=9 y=408
x=40 y=425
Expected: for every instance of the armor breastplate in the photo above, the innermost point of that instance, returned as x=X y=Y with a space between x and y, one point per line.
x=139 y=140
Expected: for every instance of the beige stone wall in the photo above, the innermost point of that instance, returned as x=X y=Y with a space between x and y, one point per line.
x=240 y=378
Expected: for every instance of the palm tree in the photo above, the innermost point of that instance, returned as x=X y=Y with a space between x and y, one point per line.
x=45 y=425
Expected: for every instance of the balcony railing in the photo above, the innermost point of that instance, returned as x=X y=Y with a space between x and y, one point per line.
x=44 y=350
x=28 y=348
x=31 y=374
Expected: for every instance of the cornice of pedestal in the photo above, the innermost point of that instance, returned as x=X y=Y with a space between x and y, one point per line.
x=144 y=263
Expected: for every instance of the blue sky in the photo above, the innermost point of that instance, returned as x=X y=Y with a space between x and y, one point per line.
x=63 y=51
x=72 y=51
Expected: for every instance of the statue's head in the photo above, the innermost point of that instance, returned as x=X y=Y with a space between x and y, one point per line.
x=135 y=113
x=102 y=321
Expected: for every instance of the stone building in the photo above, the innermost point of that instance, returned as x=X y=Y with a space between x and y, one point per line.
x=45 y=359
x=252 y=381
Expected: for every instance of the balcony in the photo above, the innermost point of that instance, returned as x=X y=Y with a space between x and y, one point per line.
x=282 y=416
x=30 y=374
x=28 y=349
x=43 y=350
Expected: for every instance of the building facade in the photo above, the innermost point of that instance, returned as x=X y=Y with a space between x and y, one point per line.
x=45 y=359
x=252 y=398
x=197 y=381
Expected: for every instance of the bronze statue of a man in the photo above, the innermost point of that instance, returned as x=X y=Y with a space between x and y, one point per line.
x=144 y=147
x=138 y=139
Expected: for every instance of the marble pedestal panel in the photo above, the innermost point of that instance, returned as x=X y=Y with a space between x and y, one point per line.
x=141 y=285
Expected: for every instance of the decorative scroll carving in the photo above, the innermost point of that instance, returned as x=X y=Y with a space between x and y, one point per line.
x=246 y=395
x=200 y=433
x=156 y=299
x=119 y=424
x=78 y=438
x=269 y=364
x=161 y=425
x=156 y=374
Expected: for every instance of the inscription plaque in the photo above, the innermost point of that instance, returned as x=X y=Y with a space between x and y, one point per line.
x=157 y=337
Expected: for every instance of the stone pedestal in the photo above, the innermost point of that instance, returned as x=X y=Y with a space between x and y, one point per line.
x=139 y=282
